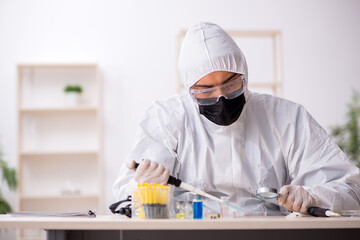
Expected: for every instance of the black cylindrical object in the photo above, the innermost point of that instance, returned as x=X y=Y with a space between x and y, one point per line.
x=317 y=211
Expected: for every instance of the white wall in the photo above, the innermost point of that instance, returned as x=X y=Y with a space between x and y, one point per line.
x=134 y=43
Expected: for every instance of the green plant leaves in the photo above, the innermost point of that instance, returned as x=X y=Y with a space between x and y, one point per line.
x=73 y=88
x=9 y=176
x=4 y=206
x=347 y=136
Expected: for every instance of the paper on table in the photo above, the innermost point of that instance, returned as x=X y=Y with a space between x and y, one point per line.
x=90 y=213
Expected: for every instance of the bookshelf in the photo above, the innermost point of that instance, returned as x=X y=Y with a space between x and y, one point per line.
x=59 y=144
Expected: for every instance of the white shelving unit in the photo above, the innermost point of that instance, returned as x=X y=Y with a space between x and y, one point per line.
x=59 y=146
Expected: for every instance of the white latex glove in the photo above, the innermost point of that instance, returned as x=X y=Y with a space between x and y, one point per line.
x=295 y=198
x=149 y=172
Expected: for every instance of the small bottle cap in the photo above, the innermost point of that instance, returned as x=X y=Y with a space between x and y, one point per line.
x=197 y=197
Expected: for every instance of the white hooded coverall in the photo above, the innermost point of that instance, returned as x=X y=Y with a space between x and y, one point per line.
x=273 y=143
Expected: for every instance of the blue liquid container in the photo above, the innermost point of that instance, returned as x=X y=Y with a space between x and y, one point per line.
x=198 y=207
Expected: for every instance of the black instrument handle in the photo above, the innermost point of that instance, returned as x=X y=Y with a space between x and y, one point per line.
x=172 y=180
x=317 y=211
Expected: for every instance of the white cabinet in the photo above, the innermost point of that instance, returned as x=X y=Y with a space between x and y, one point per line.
x=59 y=144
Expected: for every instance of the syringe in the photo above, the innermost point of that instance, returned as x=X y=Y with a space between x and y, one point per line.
x=178 y=183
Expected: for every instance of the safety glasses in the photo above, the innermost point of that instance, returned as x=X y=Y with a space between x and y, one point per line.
x=229 y=90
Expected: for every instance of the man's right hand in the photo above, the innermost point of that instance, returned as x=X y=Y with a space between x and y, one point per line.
x=149 y=172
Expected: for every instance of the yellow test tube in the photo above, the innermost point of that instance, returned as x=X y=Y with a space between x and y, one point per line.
x=153 y=191
x=158 y=192
x=142 y=193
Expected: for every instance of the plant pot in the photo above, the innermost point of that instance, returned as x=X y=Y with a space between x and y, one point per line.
x=72 y=99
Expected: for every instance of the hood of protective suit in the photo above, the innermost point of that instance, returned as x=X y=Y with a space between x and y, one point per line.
x=208 y=48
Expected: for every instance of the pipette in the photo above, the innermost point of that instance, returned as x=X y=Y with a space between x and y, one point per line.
x=202 y=193
x=178 y=183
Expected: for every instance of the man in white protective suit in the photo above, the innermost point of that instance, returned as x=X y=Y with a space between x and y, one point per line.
x=228 y=141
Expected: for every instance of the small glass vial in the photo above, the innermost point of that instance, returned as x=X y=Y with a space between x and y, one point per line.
x=189 y=210
x=180 y=209
x=224 y=209
x=198 y=207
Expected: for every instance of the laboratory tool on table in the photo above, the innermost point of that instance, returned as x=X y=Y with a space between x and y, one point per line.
x=189 y=210
x=178 y=183
x=321 y=212
x=154 y=199
x=224 y=209
x=266 y=193
x=184 y=209
x=198 y=207
x=250 y=214
x=180 y=209
x=271 y=193
x=89 y=213
x=350 y=213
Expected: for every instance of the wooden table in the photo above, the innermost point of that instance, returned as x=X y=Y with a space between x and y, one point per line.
x=119 y=227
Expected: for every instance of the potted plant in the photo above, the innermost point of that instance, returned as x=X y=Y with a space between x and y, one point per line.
x=9 y=176
x=347 y=136
x=73 y=94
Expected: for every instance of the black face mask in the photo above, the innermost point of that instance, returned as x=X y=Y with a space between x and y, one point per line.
x=225 y=111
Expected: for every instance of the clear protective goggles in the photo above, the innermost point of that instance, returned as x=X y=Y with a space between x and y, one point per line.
x=229 y=90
